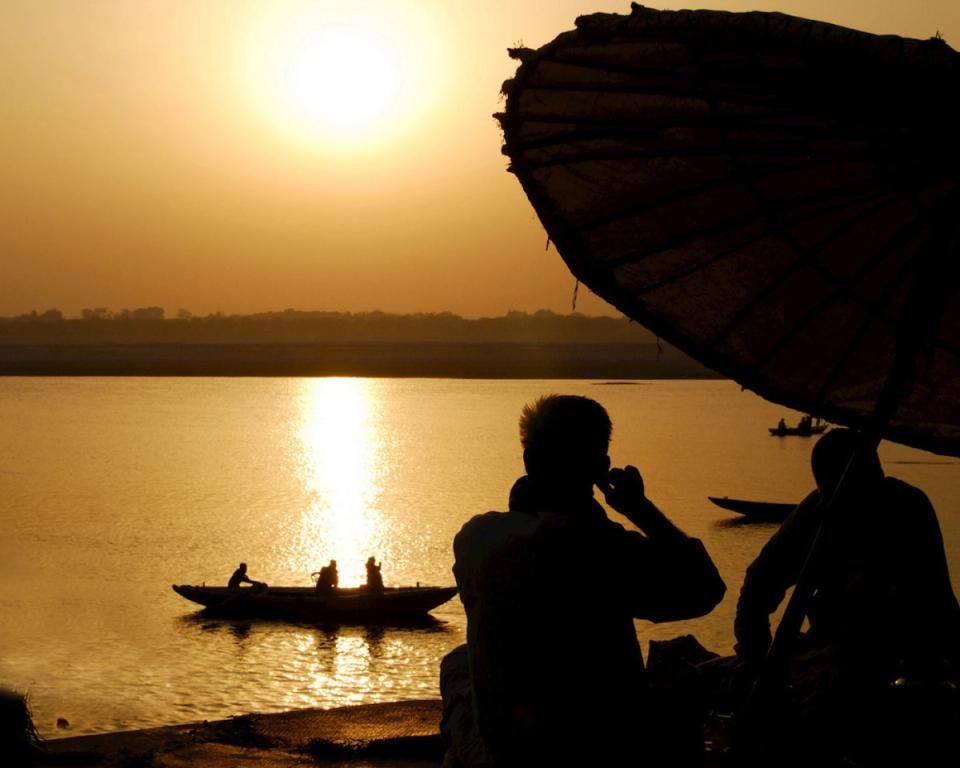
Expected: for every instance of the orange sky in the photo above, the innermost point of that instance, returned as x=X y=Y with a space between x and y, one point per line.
x=182 y=154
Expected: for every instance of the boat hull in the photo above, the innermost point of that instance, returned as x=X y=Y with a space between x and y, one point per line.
x=762 y=511
x=797 y=432
x=306 y=604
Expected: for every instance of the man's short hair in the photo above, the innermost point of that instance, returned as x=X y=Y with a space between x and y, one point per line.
x=564 y=423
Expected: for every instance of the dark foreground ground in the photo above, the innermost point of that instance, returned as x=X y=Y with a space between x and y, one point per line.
x=399 y=734
x=429 y=360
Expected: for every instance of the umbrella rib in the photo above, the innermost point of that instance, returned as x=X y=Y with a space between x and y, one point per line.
x=712 y=99
x=696 y=151
x=804 y=256
x=764 y=108
x=620 y=89
x=922 y=441
x=594 y=65
x=621 y=122
x=834 y=235
x=652 y=126
x=770 y=101
x=861 y=191
x=843 y=287
x=651 y=205
x=807 y=258
x=861 y=332
x=682 y=77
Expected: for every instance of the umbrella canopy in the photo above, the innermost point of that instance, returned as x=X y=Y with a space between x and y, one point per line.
x=779 y=198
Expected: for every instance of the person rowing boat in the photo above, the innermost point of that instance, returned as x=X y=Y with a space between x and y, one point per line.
x=240 y=577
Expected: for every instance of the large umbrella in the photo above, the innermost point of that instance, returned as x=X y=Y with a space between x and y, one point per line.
x=776 y=197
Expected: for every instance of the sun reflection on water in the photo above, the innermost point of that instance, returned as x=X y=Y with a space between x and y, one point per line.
x=341 y=470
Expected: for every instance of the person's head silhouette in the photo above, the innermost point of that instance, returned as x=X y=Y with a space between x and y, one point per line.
x=835 y=452
x=565 y=440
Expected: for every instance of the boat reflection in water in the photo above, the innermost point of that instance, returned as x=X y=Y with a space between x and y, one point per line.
x=284 y=665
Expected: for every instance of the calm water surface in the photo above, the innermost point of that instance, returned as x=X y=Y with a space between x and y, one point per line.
x=113 y=489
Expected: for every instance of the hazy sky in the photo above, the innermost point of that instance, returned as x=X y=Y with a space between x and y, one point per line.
x=187 y=153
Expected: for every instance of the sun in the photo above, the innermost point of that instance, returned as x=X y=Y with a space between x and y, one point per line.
x=341 y=76
x=339 y=80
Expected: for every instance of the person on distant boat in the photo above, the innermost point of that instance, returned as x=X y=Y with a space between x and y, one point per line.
x=782 y=426
x=552 y=673
x=883 y=607
x=240 y=577
x=329 y=578
x=374 y=579
x=324 y=579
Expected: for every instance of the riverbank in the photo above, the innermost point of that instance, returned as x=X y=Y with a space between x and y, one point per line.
x=402 y=734
x=424 y=360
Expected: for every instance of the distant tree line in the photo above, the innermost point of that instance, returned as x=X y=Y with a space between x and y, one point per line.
x=148 y=325
x=143 y=313
x=100 y=313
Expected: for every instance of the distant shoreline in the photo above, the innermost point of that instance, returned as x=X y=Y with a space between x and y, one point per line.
x=540 y=360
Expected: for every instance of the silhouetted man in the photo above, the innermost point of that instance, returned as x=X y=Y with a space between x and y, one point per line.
x=883 y=607
x=329 y=578
x=552 y=673
x=374 y=578
x=239 y=577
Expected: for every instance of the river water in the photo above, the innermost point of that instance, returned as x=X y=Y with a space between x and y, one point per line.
x=113 y=489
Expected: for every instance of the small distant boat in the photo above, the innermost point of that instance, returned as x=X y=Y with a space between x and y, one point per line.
x=351 y=605
x=761 y=511
x=804 y=429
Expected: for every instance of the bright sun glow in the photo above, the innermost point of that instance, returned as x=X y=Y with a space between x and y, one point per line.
x=340 y=80
x=340 y=76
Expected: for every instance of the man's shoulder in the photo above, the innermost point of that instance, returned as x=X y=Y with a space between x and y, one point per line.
x=900 y=486
x=485 y=540
x=497 y=523
x=903 y=490
x=485 y=519
x=905 y=495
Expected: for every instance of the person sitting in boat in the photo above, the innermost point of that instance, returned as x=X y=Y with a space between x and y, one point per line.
x=374 y=579
x=552 y=672
x=782 y=426
x=240 y=577
x=882 y=607
x=329 y=578
x=803 y=427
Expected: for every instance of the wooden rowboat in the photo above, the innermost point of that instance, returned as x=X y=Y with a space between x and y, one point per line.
x=798 y=431
x=357 y=605
x=761 y=511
